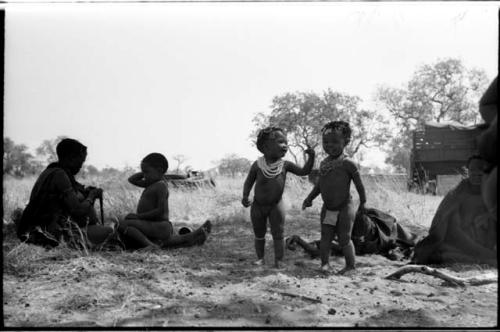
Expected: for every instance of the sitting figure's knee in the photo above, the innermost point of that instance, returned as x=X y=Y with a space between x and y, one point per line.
x=122 y=228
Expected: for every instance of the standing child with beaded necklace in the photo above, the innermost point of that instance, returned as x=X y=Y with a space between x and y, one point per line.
x=269 y=175
x=335 y=175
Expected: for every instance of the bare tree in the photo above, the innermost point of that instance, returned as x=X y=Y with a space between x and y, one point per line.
x=180 y=159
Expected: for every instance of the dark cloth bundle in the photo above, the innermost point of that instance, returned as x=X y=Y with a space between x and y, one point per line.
x=376 y=232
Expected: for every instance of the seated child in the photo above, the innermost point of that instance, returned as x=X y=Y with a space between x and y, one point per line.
x=150 y=227
x=269 y=175
x=338 y=212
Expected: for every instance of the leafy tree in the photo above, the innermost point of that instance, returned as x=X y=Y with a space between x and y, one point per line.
x=443 y=91
x=233 y=164
x=17 y=161
x=47 y=150
x=303 y=114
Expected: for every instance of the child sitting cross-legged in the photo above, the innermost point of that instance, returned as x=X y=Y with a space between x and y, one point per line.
x=150 y=227
x=269 y=175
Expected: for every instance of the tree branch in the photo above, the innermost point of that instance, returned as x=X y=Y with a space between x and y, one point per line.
x=474 y=281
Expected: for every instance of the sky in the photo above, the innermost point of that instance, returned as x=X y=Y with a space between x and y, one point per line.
x=130 y=79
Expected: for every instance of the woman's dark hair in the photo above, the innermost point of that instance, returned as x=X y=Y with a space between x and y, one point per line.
x=264 y=135
x=156 y=160
x=340 y=126
x=69 y=147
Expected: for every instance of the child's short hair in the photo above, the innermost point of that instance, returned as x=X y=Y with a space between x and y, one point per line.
x=156 y=160
x=340 y=126
x=69 y=147
x=265 y=134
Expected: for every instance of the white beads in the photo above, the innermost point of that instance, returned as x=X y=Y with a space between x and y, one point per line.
x=270 y=170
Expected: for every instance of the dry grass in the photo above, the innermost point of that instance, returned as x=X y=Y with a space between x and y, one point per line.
x=222 y=204
x=209 y=285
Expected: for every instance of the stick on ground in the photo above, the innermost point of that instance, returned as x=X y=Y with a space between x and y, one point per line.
x=474 y=281
x=302 y=297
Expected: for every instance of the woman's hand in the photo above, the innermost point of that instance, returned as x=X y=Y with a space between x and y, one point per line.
x=95 y=193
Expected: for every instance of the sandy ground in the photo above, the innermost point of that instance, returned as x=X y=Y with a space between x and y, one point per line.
x=216 y=285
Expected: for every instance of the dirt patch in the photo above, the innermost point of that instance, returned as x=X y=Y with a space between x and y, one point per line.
x=216 y=285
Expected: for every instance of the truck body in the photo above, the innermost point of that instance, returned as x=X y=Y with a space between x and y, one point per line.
x=441 y=149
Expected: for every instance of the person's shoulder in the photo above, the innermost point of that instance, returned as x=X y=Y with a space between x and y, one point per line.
x=349 y=162
x=58 y=179
x=255 y=165
x=58 y=174
x=161 y=185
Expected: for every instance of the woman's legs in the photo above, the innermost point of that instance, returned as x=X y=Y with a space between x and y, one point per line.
x=97 y=234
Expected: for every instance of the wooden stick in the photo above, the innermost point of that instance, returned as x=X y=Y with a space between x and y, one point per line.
x=302 y=297
x=474 y=281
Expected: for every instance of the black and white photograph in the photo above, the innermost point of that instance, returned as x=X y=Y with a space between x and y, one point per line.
x=250 y=165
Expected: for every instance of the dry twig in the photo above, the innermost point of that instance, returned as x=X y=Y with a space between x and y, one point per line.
x=474 y=281
x=302 y=297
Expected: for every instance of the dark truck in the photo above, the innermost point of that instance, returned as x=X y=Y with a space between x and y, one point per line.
x=440 y=151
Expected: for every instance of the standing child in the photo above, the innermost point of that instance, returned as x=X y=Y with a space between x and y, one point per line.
x=269 y=175
x=150 y=226
x=337 y=214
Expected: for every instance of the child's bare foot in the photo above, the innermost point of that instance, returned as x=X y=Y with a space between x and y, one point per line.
x=201 y=237
x=207 y=226
x=279 y=264
x=259 y=262
x=326 y=268
x=348 y=270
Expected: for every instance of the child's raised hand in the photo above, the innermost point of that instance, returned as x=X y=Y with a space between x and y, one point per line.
x=310 y=151
x=307 y=203
x=246 y=202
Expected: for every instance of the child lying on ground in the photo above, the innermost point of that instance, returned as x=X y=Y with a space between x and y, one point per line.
x=150 y=227
x=269 y=175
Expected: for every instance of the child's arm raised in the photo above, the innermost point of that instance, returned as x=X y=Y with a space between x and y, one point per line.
x=137 y=180
x=310 y=198
x=247 y=186
x=292 y=168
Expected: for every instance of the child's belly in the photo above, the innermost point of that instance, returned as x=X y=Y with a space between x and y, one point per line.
x=269 y=191
x=335 y=191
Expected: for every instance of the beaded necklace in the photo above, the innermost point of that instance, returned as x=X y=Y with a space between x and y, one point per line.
x=329 y=164
x=270 y=170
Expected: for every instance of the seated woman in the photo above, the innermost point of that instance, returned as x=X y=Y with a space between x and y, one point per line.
x=60 y=208
x=462 y=230
x=487 y=145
